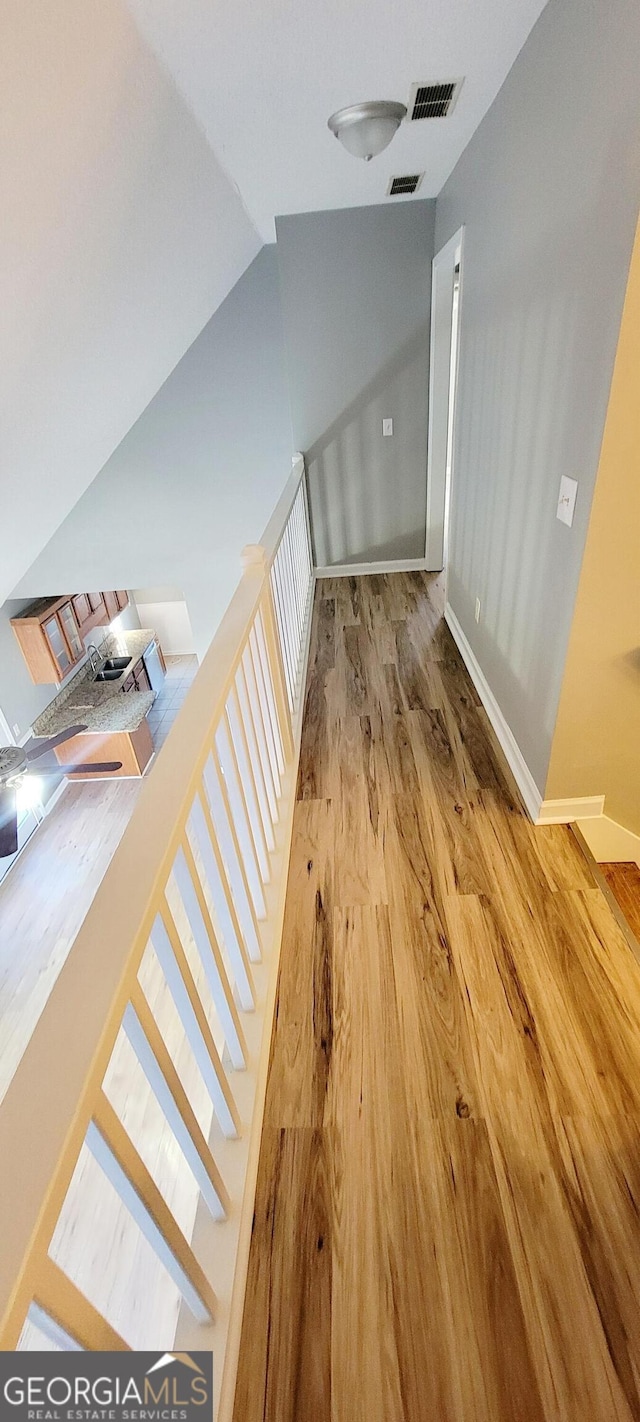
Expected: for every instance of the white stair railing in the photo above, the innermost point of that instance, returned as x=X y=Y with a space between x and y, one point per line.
x=129 y=1135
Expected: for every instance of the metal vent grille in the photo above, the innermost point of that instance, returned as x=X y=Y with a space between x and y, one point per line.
x=433 y=100
x=407 y=184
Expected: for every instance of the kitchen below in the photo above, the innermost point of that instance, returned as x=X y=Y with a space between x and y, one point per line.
x=66 y=847
x=111 y=697
x=117 y=666
x=107 y=672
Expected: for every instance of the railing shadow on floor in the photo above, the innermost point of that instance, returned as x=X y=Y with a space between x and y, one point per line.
x=129 y=1136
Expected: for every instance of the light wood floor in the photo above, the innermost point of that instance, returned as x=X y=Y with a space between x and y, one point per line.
x=624 y=882
x=45 y=898
x=47 y=894
x=447 y=1223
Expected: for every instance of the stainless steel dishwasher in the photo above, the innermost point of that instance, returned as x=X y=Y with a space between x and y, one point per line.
x=155 y=672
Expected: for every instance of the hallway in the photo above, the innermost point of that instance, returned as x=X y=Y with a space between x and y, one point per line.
x=446 y=1225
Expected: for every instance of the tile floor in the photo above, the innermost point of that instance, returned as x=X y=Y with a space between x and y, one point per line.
x=180 y=674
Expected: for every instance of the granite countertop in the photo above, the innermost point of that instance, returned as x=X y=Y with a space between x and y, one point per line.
x=102 y=706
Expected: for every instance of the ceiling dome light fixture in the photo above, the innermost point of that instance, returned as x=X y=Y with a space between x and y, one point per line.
x=366 y=129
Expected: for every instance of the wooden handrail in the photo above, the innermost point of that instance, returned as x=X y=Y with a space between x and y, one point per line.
x=52 y=1098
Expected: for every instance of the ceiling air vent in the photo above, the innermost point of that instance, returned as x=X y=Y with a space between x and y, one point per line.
x=433 y=100
x=408 y=184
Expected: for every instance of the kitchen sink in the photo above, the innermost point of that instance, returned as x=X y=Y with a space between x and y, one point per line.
x=116 y=663
x=108 y=674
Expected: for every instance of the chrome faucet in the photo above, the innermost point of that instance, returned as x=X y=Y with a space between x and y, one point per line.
x=93 y=651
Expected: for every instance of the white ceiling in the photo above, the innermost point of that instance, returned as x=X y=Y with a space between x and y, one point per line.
x=263 y=76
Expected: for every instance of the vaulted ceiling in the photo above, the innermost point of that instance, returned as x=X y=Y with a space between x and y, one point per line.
x=263 y=76
x=145 y=148
x=120 y=235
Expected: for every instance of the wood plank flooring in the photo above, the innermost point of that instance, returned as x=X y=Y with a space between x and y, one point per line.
x=45 y=898
x=47 y=893
x=447 y=1222
x=624 y=881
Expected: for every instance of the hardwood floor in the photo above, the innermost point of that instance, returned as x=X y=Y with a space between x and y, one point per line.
x=624 y=881
x=447 y=1222
x=45 y=898
x=48 y=892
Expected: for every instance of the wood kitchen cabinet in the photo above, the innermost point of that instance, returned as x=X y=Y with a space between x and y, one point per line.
x=71 y=631
x=115 y=602
x=133 y=749
x=138 y=678
x=49 y=637
x=111 y=604
x=51 y=631
x=82 y=609
x=98 y=608
x=142 y=677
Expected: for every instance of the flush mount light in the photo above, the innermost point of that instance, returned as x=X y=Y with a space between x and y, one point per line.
x=366 y=129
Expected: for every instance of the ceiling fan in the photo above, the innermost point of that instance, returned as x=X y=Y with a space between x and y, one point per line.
x=15 y=764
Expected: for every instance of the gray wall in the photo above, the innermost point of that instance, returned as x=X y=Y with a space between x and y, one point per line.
x=197 y=476
x=356 y=295
x=548 y=192
x=120 y=235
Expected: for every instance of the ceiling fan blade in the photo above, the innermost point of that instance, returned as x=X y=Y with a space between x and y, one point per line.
x=86 y=769
x=8 y=821
x=39 y=747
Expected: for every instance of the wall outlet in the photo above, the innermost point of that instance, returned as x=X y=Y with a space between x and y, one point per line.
x=477 y=611
x=567 y=500
x=387 y=427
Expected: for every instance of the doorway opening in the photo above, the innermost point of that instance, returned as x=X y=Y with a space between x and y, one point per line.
x=446 y=290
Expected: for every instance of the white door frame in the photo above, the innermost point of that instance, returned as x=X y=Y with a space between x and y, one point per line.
x=438 y=494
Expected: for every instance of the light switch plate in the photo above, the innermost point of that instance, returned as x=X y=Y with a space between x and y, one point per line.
x=387 y=427
x=567 y=500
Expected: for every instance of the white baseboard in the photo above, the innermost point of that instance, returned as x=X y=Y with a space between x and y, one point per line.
x=564 y=812
x=542 y=812
x=524 y=780
x=609 y=842
x=357 y=570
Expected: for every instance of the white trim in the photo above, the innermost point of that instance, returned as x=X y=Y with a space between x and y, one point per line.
x=434 y=557
x=229 y=1250
x=358 y=570
x=524 y=780
x=609 y=842
x=564 y=812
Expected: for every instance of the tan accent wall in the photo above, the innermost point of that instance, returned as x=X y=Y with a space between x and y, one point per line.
x=596 y=744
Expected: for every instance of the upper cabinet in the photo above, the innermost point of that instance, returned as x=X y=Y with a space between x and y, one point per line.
x=51 y=631
x=49 y=638
x=82 y=609
x=114 y=603
x=71 y=631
